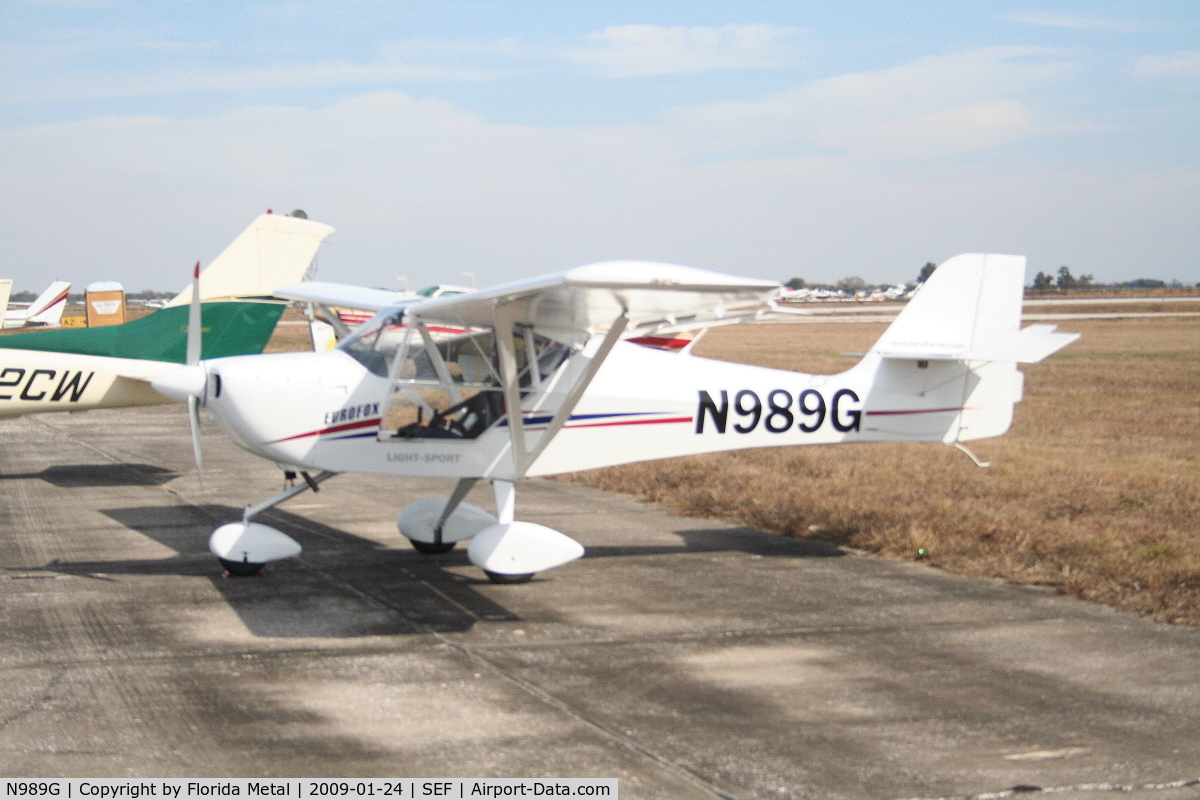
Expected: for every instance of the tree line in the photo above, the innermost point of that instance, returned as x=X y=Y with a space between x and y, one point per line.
x=1042 y=282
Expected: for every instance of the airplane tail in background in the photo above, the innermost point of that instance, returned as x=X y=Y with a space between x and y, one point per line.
x=230 y=329
x=46 y=310
x=949 y=361
x=5 y=291
x=273 y=251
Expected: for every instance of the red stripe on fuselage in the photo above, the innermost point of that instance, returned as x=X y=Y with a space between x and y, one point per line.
x=349 y=426
x=915 y=411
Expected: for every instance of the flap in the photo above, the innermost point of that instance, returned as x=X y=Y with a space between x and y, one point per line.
x=1028 y=346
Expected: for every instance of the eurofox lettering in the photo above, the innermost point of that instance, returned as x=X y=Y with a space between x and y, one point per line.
x=351 y=413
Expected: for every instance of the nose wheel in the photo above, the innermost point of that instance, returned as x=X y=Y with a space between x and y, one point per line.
x=244 y=548
x=240 y=569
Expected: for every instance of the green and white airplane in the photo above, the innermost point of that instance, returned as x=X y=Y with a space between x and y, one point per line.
x=111 y=367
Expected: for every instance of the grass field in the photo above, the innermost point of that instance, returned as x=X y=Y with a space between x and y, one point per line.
x=1095 y=491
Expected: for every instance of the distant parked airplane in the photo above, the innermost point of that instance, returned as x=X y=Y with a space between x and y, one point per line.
x=46 y=311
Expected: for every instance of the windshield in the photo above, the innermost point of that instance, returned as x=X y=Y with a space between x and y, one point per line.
x=375 y=341
x=451 y=388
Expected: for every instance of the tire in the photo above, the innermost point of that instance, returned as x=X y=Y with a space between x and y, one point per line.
x=499 y=577
x=241 y=569
x=432 y=549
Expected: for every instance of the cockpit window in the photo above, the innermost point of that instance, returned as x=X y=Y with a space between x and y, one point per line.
x=374 y=343
x=450 y=387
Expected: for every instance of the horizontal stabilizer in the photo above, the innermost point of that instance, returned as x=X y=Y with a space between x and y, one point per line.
x=1028 y=346
x=341 y=294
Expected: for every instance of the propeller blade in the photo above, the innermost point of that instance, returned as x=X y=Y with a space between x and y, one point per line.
x=194 y=323
x=193 y=404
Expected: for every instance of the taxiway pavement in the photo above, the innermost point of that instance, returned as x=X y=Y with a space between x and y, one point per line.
x=686 y=657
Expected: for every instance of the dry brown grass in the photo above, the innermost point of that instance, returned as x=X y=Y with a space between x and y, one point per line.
x=1096 y=490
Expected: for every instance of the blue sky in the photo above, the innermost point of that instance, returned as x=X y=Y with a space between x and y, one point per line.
x=509 y=139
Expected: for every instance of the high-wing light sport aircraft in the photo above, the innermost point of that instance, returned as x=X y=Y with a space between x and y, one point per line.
x=83 y=368
x=546 y=377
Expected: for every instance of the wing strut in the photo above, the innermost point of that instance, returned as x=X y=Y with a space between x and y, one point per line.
x=456 y=497
x=510 y=381
x=504 y=315
x=439 y=363
x=564 y=411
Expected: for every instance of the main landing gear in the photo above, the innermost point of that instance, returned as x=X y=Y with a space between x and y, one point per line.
x=506 y=550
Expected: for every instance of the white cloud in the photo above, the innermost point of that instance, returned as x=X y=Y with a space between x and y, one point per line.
x=930 y=107
x=625 y=51
x=423 y=189
x=327 y=73
x=1184 y=64
x=1077 y=23
x=51 y=73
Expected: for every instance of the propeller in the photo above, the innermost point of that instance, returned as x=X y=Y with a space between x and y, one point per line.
x=189 y=382
x=191 y=359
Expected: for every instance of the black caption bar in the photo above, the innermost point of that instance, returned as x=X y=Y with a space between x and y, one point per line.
x=298 y=788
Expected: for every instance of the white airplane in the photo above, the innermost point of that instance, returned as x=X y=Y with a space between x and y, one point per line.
x=84 y=368
x=547 y=378
x=45 y=311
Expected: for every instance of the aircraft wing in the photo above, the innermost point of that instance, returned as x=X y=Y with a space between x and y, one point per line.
x=587 y=300
x=341 y=294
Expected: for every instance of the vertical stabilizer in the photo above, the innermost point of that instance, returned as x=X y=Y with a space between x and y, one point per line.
x=5 y=292
x=47 y=310
x=275 y=250
x=969 y=303
x=948 y=364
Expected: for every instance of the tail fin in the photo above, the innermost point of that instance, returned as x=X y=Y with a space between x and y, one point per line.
x=5 y=291
x=273 y=251
x=947 y=365
x=970 y=310
x=46 y=310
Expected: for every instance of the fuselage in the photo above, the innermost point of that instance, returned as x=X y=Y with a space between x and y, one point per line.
x=325 y=411
x=34 y=381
